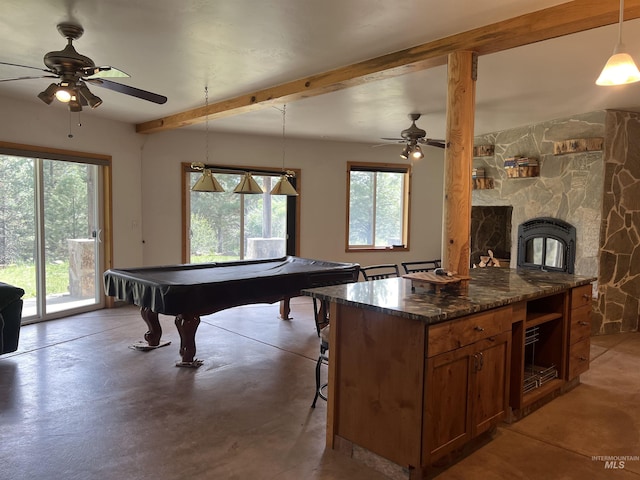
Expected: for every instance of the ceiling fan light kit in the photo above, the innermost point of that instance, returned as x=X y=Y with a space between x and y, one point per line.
x=414 y=135
x=620 y=69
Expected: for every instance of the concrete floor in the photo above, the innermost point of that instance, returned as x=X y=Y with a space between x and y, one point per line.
x=76 y=403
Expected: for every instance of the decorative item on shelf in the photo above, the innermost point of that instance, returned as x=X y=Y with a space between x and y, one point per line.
x=483 y=150
x=578 y=145
x=479 y=180
x=521 y=167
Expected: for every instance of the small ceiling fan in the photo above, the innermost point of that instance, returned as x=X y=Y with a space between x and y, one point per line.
x=413 y=137
x=74 y=71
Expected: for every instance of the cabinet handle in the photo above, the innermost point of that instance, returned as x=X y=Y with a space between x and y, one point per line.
x=478 y=328
x=585 y=296
x=479 y=361
x=582 y=359
x=583 y=323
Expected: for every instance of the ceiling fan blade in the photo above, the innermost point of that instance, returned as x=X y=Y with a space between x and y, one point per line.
x=394 y=139
x=104 y=71
x=435 y=143
x=27 y=66
x=127 y=90
x=27 y=78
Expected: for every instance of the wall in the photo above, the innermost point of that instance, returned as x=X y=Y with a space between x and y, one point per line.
x=569 y=186
x=146 y=181
x=34 y=123
x=323 y=191
x=617 y=308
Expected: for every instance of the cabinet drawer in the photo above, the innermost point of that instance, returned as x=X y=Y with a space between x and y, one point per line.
x=579 y=358
x=580 y=324
x=581 y=296
x=447 y=336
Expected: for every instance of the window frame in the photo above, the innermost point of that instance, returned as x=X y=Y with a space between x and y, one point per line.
x=404 y=168
x=293 y=203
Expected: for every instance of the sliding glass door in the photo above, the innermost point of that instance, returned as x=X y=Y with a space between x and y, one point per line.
x=50 y=234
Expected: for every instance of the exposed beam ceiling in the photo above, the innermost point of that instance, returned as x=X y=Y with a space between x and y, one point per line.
x=564 y=19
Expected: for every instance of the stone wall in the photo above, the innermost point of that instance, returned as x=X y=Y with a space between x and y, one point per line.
x=569 y=186
x=491 y=230
x=617 y=308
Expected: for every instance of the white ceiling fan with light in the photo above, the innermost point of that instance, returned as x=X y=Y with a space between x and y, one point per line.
x=74 y=71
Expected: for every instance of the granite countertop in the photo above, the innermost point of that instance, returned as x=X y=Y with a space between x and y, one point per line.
x=488 y=288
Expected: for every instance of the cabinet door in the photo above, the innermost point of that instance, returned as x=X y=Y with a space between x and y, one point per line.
x=446 y=424
x=490 y=382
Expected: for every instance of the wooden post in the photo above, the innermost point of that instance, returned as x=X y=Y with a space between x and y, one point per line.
x=461 y=93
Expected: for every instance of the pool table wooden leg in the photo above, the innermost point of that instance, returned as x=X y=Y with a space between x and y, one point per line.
x=154 y=333
x=187 y=324
x=285 y=309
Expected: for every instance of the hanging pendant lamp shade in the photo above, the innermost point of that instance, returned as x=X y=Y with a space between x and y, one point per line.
x=283 y=187
x=207 y=183
x=248 y=185
x=620 y=68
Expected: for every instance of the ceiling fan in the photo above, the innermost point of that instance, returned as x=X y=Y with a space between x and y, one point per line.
x=413 y=136
x=74 y=71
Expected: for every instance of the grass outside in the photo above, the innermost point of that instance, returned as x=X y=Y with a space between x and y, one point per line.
x=24 y=276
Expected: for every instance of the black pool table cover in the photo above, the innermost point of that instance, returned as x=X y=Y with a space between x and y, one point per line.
x=201 y=289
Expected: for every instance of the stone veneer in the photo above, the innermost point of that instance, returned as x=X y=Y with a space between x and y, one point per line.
x=569 y=186
x=617 y=308
x=491 y=230
x=597 y=192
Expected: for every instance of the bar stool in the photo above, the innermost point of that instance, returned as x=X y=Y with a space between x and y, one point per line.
x=323 y=358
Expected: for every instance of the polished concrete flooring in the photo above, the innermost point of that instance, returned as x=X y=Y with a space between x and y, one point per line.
x=77 y=403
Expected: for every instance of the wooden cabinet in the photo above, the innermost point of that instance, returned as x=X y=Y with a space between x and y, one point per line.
x=538 y=361
x=579 y=332
x=467 y=378
x=413 y=392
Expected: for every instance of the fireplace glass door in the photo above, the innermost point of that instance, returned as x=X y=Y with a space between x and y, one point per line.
x=547 y=244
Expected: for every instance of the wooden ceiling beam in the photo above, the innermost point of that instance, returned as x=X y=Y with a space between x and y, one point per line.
x=564 y=19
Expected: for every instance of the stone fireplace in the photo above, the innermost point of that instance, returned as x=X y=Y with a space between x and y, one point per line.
x=569 y=186
x=596 y=191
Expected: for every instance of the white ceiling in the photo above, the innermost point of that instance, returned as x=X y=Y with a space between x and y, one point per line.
x=176 y=48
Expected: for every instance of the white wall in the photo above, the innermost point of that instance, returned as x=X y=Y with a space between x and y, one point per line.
x=323 y=189
x=146 y=181
x=34 y=123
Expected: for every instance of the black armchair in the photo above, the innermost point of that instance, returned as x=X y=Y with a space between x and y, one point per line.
x=10 y=317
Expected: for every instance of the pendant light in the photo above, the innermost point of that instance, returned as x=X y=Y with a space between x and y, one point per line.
x=248 y=185
x=207 y=182
x=620 y=69
x=284 y=187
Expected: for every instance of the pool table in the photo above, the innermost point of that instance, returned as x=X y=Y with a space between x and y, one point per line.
x=191 y=290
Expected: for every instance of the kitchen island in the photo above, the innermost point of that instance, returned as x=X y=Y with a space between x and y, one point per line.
x=415 y=377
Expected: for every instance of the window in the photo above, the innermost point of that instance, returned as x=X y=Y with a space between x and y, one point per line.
x=52 y=215
x=228 y=226
x=378 y=206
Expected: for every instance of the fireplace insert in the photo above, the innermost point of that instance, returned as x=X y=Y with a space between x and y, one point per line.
x=547 y=244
